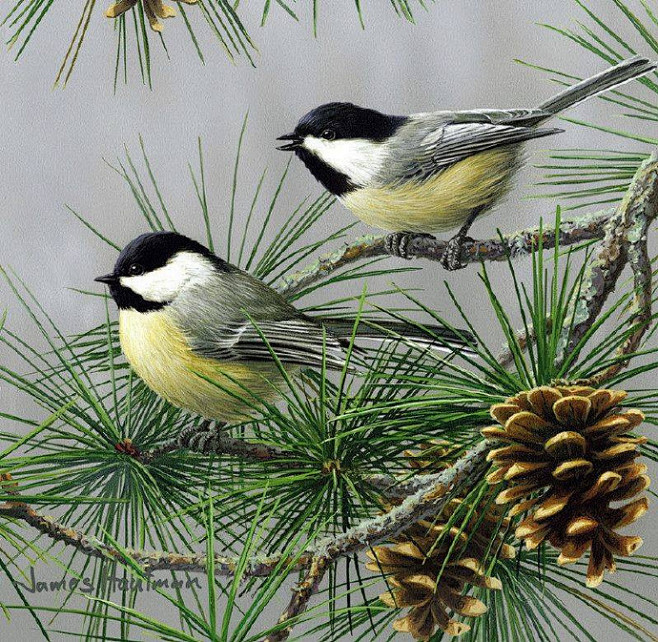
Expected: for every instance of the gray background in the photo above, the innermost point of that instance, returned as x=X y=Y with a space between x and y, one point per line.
x=460 y=55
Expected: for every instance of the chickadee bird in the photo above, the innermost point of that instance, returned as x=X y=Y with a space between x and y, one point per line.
x=188 y=318
x=430 y=172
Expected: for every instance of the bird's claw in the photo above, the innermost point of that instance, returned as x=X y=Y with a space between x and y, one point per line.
x=451 y=259
x=397 y=243
x=191 y=436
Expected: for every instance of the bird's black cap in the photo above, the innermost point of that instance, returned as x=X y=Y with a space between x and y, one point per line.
x=346 y=120
x=144 y=254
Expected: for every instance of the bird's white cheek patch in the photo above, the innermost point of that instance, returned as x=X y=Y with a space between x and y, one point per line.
x=358 y=158
x=165 y=283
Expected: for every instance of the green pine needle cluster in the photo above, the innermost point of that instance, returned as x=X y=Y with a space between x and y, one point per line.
x=585 y=177
x=224 y=20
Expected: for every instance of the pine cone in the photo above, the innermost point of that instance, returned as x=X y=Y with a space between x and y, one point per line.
x=153 y=9
x=433 y=457
x=568 y=456
x=413 y=566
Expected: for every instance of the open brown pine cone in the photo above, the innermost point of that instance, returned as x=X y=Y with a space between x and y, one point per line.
x=567 y=458
x=413 y=566
x=154 y=10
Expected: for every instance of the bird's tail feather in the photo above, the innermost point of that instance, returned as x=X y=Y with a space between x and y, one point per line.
x=426 y=336
x=608 y=79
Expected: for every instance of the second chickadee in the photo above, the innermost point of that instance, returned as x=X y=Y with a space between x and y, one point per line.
x=430 y=172
x=191 y=325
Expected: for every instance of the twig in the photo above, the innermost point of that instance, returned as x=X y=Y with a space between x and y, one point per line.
x=523 y=340
x=640 y=213
x=301 y=595
x=149 y=561
x=393 y=488
x=579 y=230
x=625 y=232
x=204 y=440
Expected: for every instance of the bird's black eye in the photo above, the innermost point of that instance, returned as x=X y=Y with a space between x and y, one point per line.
x=328 y=134
x=135 y=269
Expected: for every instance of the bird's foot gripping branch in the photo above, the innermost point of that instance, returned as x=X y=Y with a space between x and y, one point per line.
x=582 y=425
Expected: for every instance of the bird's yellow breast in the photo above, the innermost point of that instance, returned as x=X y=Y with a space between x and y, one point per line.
x=442 y=202
x=160 y=354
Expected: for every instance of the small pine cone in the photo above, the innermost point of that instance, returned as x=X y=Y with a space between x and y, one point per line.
x=432 y=457
x=413 y=565
x=154 y=9
x=567 y=457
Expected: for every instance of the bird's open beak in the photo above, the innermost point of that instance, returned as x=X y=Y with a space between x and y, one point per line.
x=108 y=279
x=295 y=142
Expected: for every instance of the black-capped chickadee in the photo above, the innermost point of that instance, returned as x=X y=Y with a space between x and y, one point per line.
x=430 y=172
x=191 y=325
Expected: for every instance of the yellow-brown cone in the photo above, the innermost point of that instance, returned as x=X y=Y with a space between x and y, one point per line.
x=419 y=579
x=153 y=9
x=566 y=457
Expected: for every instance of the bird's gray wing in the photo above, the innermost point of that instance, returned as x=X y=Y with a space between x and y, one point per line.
x=236 y=317
x=296 y=341
x=430 y=143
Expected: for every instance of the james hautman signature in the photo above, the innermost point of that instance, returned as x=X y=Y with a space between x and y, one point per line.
x=86 y=585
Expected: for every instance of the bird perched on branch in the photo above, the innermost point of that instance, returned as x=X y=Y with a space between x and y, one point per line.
x=430 y=172
x=207 y=336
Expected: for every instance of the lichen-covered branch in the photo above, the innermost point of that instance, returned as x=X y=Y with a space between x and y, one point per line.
x=301 y=595
x=641 y=211
x=393 y=488
x=624 y=240
x=432 y=492
x=514 y=245
x=523 y=340
x=149 y=560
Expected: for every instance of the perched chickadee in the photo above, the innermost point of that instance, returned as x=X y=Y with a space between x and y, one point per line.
x=188 y=318
x=430 y=172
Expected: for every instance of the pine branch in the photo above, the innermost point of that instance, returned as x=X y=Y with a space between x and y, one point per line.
x=515 y=245
x=638 y=210
x=427 y=500
x=430 y=499
x=624 y=235
x=301 y=596
x=149 y=561
x=433 y=492
x=625 y=240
